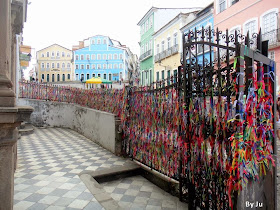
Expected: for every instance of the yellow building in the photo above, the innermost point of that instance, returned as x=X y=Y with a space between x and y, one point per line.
x=168 y=46
x=55 y=64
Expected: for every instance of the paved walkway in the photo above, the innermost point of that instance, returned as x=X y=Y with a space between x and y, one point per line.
x=49 y=161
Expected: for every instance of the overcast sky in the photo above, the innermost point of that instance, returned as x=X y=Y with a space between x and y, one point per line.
x=65 y=22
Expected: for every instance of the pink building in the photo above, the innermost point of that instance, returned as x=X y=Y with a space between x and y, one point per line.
x=251 y=15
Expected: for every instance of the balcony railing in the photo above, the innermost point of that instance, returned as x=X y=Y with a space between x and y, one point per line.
x=166 y=53
x=146 y=55
x=273 y=37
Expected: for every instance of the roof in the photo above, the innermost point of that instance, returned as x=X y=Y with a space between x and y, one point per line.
x=53 y=45
x=157 y=8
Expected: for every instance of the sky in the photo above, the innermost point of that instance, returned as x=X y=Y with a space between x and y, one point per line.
x=66 y=22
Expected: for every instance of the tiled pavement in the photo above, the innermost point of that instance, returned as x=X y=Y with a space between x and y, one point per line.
x=49 y=161
x=138 y=193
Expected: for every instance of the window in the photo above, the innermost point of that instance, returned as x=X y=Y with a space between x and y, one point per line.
x=234 y=1
x=42 y=65
x=77 y=66
x=175 y=41
x=92 y=41
x=48 y=65
x=52 y=53
x=98 y=57
x=104 y=41
x=63 y=77
x=222 y=5
x=168 y=77
x=121 y=65
x=162 y=74
x=63 y=54
x=115 y=56
x=87 y=57
x=82 y=76
x=105 y=76
x=168 y=42
x=52 y=77
x=87 y=76
x=43 y=76
x=82 y=66
x=93 y=66
x=48 y=77
x=110 y=66
x=68 y=65
x=93 y=57
x=110 y=77
x=99 y=75
x=93 y=75
x=251 y=27
x=68 y=54
x=98 y=41
x=82 y=57
x=68 y=76
x=87 y=66
x=57 y=65
x=63 y=65
x=77 y=76
x=43 y=55
x=271 y=55
x=109 y=57
x=57 y=54
x=104 y=66
x=269 y=24
x=157 y=76
x=151 y=22
x=121 y=56
x=52 y=65
x=157 y=48
x=98 y=66
x=104 y=57
x=150 y=45
x=77 y=57
x=115 y=66
x=48 y=54
x=162 y=46
x=147 y=25
x=58 y=77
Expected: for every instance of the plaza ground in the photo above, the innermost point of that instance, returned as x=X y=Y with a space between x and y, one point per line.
x=49 y=161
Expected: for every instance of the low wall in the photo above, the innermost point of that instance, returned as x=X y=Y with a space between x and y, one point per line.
x=100 y=127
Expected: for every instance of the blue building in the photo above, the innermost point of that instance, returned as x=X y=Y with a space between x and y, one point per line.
x=100 y=56
x=204 y=18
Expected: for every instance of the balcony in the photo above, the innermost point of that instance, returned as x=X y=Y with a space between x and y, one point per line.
x=146 y=55
x=166 y=53
x=273 y=38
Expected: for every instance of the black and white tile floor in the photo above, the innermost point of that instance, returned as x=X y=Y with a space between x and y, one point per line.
x=49 y=161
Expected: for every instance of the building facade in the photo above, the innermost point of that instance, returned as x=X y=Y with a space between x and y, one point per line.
x=204 y=19
x=100 y=56
x=151 y=22
x=168 y=47
x=251 y=15
x=54 y=64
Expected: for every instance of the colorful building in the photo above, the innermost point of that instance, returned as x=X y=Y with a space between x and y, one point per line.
x=100 y=56
x=150 y=23
x=251 y=15
x=54 y=64
x=168 y=47
x=204 y=19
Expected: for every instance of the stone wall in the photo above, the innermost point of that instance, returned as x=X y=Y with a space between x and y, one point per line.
x=100 y=127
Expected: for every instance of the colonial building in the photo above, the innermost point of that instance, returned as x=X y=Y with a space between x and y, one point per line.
x=101 y=56
x=150 y=23
x=12 y=18
x=249 y=16
x=54 y=64
x=204 y=19
x=168 y=46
